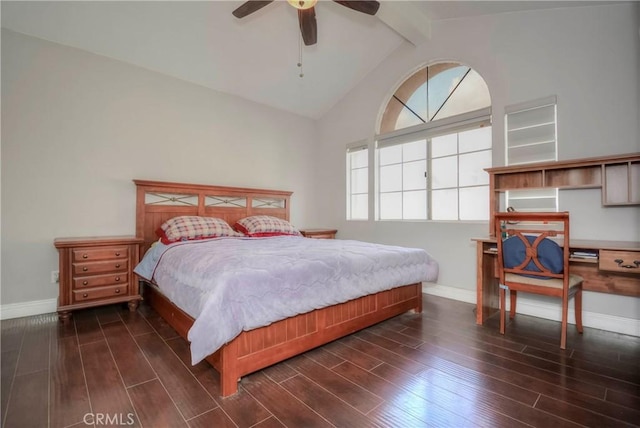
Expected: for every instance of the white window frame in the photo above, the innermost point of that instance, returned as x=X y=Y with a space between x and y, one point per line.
x=427 y=131
x=351 y=149
x=538 y=120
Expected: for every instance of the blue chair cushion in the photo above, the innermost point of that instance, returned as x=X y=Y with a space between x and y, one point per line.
x=549 y=254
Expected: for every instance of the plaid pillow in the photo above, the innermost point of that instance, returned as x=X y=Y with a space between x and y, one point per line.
x=187 y=228
x=264 y=225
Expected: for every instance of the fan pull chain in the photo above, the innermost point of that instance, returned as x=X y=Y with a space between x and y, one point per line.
x=300 y=56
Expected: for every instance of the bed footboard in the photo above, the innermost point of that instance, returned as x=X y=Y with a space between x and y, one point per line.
x=256 y=349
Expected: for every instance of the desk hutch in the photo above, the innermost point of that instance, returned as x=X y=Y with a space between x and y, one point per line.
x=616 y=267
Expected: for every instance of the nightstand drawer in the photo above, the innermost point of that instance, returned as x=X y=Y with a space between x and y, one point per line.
x=100 y=293
x=100 y=267
x=100 y=280
x=104 y=253
x=620 y=261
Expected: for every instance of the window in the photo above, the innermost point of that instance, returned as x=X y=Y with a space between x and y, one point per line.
x=531 y=130
x=358 y=182
x=432 y=93
x=434 y=144
x=436 y=174
x=533 y=199
x=402 y=171
x=470 y=193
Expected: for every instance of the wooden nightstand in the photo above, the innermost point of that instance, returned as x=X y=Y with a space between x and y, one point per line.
x=97 y=271
x=319 y=233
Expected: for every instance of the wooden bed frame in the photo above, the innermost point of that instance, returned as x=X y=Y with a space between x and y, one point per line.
x=259 y=348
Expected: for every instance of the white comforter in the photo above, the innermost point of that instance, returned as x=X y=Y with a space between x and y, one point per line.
x=232 y=284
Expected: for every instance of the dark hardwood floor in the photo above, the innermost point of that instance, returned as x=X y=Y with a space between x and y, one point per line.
x=109 y=367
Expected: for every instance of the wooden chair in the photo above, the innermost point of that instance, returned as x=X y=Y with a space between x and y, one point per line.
x=530 y=260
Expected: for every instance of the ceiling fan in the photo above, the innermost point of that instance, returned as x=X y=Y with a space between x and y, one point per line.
x=307 y=13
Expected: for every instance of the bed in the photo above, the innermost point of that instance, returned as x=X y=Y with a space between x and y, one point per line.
x=258 y=347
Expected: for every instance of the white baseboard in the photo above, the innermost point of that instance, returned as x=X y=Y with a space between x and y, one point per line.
x=454 y=293
x=26 y=309
x=550 y=311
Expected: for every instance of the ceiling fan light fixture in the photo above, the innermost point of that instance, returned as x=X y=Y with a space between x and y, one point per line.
x=302 y=4
x=307 y=13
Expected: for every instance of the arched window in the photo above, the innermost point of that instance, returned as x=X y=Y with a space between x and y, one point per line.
x=433 y=146
x=435 y=92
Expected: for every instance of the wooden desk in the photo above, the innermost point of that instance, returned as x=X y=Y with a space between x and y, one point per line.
x=602 y=274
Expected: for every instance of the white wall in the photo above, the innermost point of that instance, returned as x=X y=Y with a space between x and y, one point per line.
x=78 y=127
x=587 y=56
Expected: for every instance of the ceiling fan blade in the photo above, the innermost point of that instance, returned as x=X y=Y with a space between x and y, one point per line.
x=249 y=7
x=370 y=7
x=308 y=26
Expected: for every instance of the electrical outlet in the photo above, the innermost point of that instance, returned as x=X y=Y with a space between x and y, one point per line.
x=55 y=276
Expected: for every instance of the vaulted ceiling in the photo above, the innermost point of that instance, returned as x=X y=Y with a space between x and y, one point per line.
x=255 y=57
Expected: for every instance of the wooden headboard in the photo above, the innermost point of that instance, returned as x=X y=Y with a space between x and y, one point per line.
x=158 y=201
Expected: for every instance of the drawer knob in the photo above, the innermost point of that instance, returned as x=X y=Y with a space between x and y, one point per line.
x=84 y=256
x=118 y=254
x=84 y=269
x=85 y=295
x=118 y=265
x=117 y=278
x=85 y=282
x=117 y=291
x=635 y=265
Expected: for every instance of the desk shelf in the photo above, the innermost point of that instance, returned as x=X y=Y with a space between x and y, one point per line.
x=618 y=177
x=583 y=260
x=576 y=178
x=621 y=184
x=609 y=173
